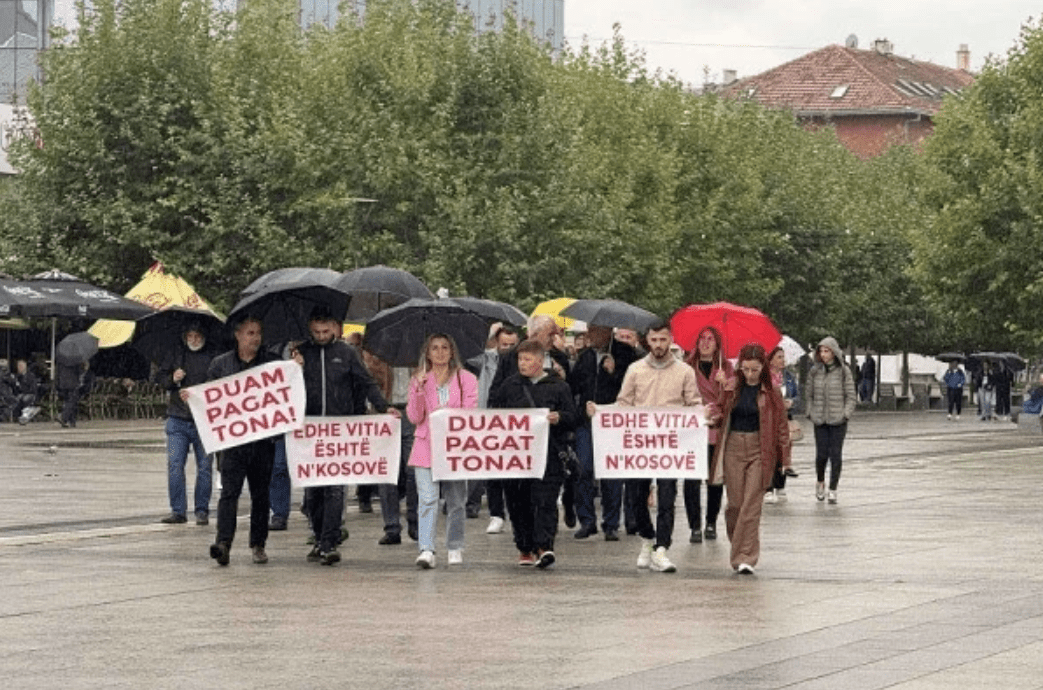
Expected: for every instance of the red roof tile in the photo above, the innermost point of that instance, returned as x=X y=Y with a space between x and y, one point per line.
x=876 y=83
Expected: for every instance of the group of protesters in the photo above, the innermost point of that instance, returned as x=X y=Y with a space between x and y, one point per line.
x=748 y=412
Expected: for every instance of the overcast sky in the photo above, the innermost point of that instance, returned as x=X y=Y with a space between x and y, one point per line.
x=751 y=36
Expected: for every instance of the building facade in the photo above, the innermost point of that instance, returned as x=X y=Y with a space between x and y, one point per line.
x=23 y=34
x=545 y=17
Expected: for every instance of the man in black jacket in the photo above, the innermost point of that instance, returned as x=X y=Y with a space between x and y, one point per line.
x=337 y=384
x=187 y=367
x=251 y=462
x=596 y=378
x=533 y=503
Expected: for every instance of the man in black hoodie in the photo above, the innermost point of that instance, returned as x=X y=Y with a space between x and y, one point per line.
x=337 y=384
x=187 y=367
x=533 y=503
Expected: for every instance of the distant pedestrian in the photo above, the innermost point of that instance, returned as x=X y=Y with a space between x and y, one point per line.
x=867 y=380
x=989 y=376
x=187 y=366
x=954 y=379
x=1004 y=380
x=74 y=382
x=830 y=395
x=754 y=443
x=786 y=384
x=439 y=382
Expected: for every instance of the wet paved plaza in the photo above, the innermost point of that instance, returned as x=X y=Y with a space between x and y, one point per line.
x=928 y=574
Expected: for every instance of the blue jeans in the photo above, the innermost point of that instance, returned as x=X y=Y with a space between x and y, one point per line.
x=279 y=491
x=182 y=433
x=611 y=489
x=455 y=498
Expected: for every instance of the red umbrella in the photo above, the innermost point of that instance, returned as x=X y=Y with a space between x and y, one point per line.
x=738 y=326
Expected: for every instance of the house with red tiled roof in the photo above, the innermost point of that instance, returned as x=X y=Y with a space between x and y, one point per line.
x=872 y=98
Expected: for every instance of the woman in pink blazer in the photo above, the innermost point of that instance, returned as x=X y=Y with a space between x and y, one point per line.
x=438 y=382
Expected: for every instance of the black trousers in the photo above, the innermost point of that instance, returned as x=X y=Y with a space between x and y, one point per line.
x=326 y=511
x=693 y=500
x=253 y=463
x=955 y=399
x=533 y=506
x=829 y=448
x=666 y=496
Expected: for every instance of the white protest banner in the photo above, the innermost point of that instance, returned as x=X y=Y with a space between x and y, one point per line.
x=256 y=403
x=489 y=444
x=345 y=450
x=649 y=442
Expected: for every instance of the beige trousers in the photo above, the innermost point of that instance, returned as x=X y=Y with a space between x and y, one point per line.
x=744 y=482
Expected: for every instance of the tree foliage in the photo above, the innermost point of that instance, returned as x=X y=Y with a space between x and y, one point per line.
x=227 y=146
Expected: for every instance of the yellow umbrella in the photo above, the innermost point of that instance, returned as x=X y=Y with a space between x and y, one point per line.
x=553 y=308
x=156 y=289
x=350 y=328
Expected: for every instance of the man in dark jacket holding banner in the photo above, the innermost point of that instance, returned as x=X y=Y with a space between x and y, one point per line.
x=251 y=461
x=533 y=503
x=337 y=384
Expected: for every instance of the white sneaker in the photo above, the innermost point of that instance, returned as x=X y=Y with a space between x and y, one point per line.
x=426 y=560
x=771 y=497
x=950 y=417
x=745 y=569
x=495 y=525
x=832 y=497
x=820 y=490
x=957 y=418
x=660 y=563
x=456 y=557
x=644 y=559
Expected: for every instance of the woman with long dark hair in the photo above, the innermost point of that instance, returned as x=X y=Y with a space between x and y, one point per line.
x=439 y=382
x=712 y=371
x=754 y=440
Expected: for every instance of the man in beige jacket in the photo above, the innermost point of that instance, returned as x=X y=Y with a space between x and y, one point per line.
x=657 y=380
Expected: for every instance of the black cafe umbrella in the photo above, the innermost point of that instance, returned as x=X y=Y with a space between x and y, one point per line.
x=611 y=313
x=160 y=336
x=950 y=357
x=284 y=299
x=493 y=311
x=397 y=335
x=376 y=288
x=76 y=348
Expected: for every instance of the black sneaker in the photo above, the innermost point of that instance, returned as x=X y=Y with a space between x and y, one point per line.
x=390 y=540
x=219 y=552
x=413 y=533
x=611 y=535
x=315 y=555
x=202 y=519
x=330 y=557
x=544 y=559
x=365 y=507
x=259 y=556
x=585 y=531
x=711 y=531
x=277 y=524
x=570 y=517
x=174 y=519
x=696 y=538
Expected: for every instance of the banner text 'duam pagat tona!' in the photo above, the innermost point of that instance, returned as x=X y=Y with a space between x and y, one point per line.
x=488 y=444
x=364 y=449
x=649 y=442
x=256 y=403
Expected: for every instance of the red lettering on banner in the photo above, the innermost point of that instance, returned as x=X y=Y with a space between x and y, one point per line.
x=488 y=463
x=274 y=376
x=490 y=423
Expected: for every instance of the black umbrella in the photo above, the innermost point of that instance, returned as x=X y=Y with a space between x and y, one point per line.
x=611 y=313
x=160 y=336
x=76 y=348
x=397 y=335
x=493 y=311
x=376 y=288
x=57 y=294
x=950 y=357
x=283 y=301
x=1013 y=361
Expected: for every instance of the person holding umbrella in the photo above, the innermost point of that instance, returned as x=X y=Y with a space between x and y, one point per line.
x=830 y=394
x=440 y=381
x=337 y=383
x=74 y=380
x=954 y=381
x=712 y=371
x=755 y=440
x=187 y=366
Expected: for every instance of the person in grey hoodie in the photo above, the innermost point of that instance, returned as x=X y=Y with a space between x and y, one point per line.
x=830 y=395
